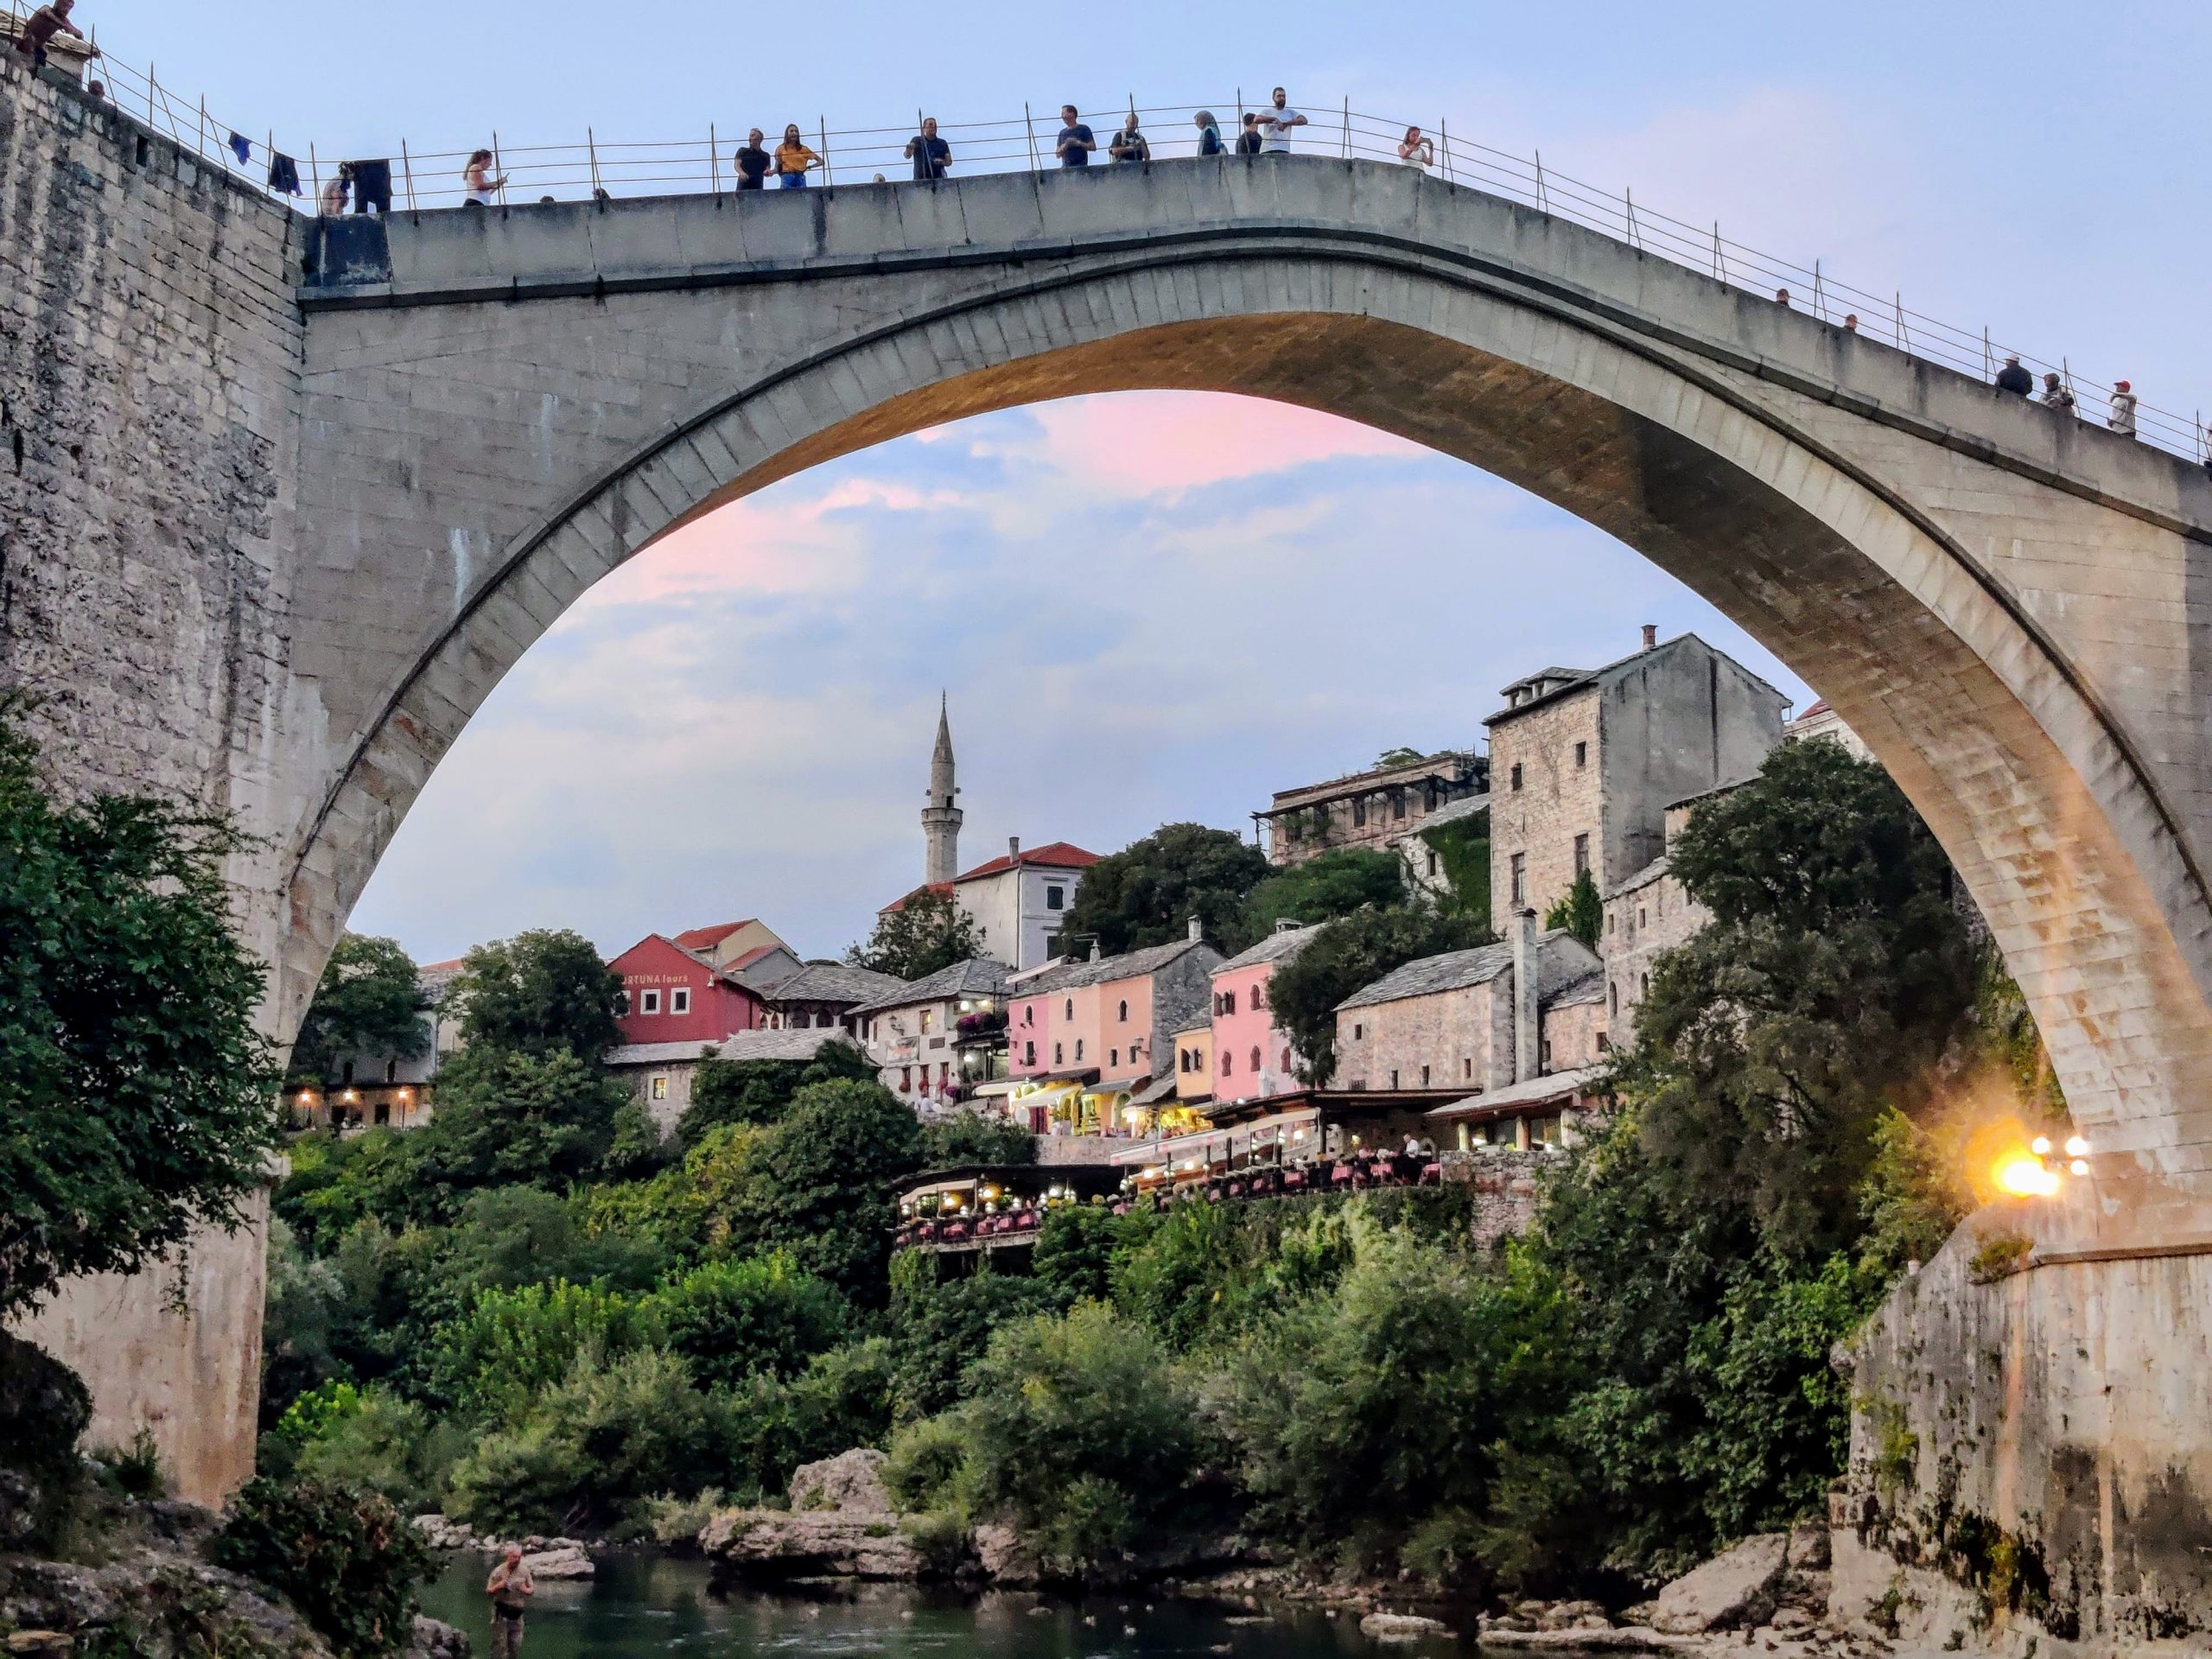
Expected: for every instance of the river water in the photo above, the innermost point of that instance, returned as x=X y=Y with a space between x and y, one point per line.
x=646 y=1607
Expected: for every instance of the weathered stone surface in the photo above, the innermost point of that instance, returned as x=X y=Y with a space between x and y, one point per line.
x=568 y=1561
x=851 y=1483
x=173 y=1605
x=782 y=1544
x=1735 y=1589
x=1400 y=1627
x=435 y=1639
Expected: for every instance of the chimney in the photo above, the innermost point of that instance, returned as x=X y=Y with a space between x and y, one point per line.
x=1527 y=1014
x=1013 y=847
x=1197 y=929
x=1650 y=635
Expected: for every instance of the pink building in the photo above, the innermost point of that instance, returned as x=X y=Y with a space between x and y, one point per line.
x=1101 y=1028
x=1252 y=1055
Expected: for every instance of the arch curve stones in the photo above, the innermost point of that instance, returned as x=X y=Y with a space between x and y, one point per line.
x=1999 y=604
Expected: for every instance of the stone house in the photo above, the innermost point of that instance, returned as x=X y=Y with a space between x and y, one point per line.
x=937 y=1038
x=1425 y=870
x=822 y=995
x=377 y=1089
x=1103 y=1026
x=1584 y=761
x=1251 y=1055
x=659 y=1074
x=1469 y=1019
x=1368 y=809
x=1646 y=915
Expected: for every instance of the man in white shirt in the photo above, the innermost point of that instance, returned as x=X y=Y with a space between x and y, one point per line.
x=1277 y=121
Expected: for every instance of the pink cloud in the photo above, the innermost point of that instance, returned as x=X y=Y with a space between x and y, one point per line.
x=1155 y=442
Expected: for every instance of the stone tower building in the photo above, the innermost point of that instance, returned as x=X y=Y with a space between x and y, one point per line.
x=941 y=817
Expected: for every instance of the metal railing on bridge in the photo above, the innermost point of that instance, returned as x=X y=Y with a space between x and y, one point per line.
x=700 y=164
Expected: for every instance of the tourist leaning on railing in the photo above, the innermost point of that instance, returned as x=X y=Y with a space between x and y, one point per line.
x=45 y=23
x=931 y=156
x=478 y=186
x=794 y=161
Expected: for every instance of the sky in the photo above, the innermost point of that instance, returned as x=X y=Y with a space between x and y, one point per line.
x=1151 y=607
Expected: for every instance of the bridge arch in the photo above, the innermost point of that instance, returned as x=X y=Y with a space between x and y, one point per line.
x=1862 y=515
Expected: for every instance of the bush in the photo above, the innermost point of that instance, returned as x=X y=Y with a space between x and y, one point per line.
x=348 y=1560
x=967 y=1137
x=942 y=1327
x=731 y=1319
x=590 y=1451
x=841 y=1400
x=924 y=1467
x=44 y=1407
x=820 y=1183
x=513 y=1345
x=385 y=1444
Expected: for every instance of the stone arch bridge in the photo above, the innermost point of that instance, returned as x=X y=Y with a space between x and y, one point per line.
x=323 y=513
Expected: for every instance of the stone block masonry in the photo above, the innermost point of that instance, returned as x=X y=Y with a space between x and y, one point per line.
x=150 y=353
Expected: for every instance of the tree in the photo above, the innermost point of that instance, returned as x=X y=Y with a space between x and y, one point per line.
x=1400 y=756
x=137 y=1098
x=1146 y=893
x=1331 y=883
x=1834 y=979
x=506 y=1117
x=733 y=1318
x=926 y=932
x=369 y=998
x=967 y=1137
x=538 y=993
x=819 y=1184
x=1352 y=952
x=1581 y=912
x=761 y=1092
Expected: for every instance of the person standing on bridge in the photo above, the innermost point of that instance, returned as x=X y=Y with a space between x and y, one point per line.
x=2055 y=394
x=751 y=161
x=1416 y=151
x=335 y=194
x=1249 y=141
x=45 y=23
x=477 y=183
x=1208 y=133
x=1277 y=120
x=2014 y=379
x=931 y=156
x=2123 y=410
x=1129 y=144
x=510 y=1587
x=794 y=161
x=1076 y=141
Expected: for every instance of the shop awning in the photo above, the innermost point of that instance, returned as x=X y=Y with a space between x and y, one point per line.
x=1001 y=1086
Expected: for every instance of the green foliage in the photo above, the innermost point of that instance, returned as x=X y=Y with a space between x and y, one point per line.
x=1073 y=1260
x=337 y=1180
x=757 y=1093
x=506 y=1117
x=135 y=1091
x=1581 y=912
x=511 y=1345
x=733 y=1319
x=943 y=1325
x=133 y=1469
x=386 y=1444
x=541 y=993
x=1998 y=1256
x=508 y=1236
x=1400 y=755
x=819 y=1184
x=927 y=931
x=1462 y=849
x=1351 y=953
x=1146 y=893
x=842 y=1399
x=348 y=1560
x=967 y=1137
x=1332 y=884
x=1080 y=1429
x=1914 y=1193
x=369 y=998
x=44 y=1409
x=318 y=1411
x=590 y=1450
x=637 y=1150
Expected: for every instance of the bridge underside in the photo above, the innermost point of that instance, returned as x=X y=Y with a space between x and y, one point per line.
x=409 y=472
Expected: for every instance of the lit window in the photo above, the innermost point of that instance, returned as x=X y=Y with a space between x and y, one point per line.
x=660 y=1085
x=649 y=1002
x=929 y=1020
x=679 y=1000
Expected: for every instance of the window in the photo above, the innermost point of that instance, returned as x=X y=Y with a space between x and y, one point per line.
x=1359 y=813
x=1123 y=1014
x=1228 y=1062
x=1114 y=1059
x=1467 y=1070
x=1581 y=856
x=1078 y=1051
x=1058 y=1059
x=1358 y=1033
x=1296 y=823
x=1604 y=1044
x=391 y=1071
x=1286 y=1062
x=1642 y=918
x=384 y=1111
x=1029 y=1053
x=1259 y=1000
x=1431 y=863
x=1228 y=1001
x=906 y=1079
x=1067 y=1008
x=649 y=1002
x=1581 y=755
x=1544 y=1056
x=1029 y=1014
x=1520 y=878
x=1424 y=1077
x=1397 y=802
x=1393 y=1078
x=1611 y=918
x=679 y=1000
x=1056 y=897
x=349 y=1072
x=1613 y=1001
x=1643 y=984
x=1516 y=775
x=929 y=1020
x=660 y=1085
x=1255 y=1062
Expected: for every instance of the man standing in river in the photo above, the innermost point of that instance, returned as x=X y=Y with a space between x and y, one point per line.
x=510 y=1588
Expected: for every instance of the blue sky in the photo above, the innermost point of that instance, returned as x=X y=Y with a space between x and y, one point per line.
x=738 y=722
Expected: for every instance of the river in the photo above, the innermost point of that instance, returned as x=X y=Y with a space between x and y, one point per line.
x=646 y=1607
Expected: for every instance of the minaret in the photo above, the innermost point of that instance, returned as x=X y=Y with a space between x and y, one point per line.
x=941 y=817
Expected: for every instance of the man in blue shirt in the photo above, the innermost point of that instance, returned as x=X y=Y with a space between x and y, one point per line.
x=1076 y=141
x=931 y=156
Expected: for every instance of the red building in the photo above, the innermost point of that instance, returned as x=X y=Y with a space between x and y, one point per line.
x=680 y=995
